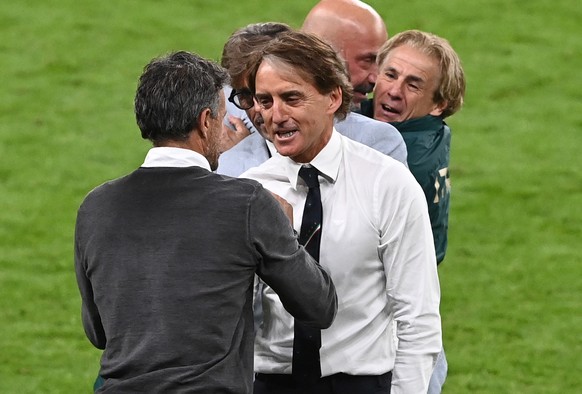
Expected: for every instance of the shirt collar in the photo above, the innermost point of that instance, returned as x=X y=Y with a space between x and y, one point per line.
x=427 y=122
x=327 y=161
x=271 y=147
x=174 y=157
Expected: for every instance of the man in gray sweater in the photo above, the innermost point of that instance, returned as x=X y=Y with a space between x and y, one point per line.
x=165 y=257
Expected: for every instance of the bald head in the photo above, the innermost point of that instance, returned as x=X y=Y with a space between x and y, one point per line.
x=356 y=31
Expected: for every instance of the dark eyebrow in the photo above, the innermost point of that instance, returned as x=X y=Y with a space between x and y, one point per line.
x=409 y=78
x=391 y=69
x=414 y=78
x=292 y=93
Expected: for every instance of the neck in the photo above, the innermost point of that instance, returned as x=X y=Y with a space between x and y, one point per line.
x=193 y=143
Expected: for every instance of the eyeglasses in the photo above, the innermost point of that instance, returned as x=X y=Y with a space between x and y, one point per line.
x=243 y=99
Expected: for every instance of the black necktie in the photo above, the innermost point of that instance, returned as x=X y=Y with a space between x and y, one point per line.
x=306 y=365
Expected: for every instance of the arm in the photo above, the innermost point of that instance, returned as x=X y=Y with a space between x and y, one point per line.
x=89 y=312
x=429 y=156
x=413 y=291
x=304 y=288
x=287 y=208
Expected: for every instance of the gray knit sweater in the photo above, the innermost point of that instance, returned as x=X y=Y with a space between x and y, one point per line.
x=165 y=260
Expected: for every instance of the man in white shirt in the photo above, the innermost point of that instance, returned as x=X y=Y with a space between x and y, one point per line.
x=375 y=232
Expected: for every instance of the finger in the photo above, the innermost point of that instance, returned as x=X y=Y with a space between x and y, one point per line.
x=239 y=125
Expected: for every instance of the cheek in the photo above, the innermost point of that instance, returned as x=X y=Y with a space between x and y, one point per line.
x=380 y=87
x=257 y=114
x=427 y=103
x=265 y=115
x=358 y=75
x=221 y=131
x=419 y=106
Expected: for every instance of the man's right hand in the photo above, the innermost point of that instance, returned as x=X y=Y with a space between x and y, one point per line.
x=230 y=136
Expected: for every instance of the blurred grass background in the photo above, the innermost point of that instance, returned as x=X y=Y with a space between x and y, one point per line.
x=511 y=283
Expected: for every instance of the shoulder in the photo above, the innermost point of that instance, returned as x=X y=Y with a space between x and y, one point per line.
x=105 y=189
x=233 y=186
x=359 y=125
x=250 y=152
x=361 y=159
x=380 y=136
x=365 y=156
x=270 y=170
x=425 y=137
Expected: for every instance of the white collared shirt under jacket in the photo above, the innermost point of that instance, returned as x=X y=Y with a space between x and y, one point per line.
x=378 y=247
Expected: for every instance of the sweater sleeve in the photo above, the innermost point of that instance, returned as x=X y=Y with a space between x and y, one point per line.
x=89 y=312
x=305 y=289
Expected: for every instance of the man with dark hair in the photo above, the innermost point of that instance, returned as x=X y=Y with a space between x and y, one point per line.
x=166 y=256
x=363 y=215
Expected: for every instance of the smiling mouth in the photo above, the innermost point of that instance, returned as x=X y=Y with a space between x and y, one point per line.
x=285 y=134
x=388 y=108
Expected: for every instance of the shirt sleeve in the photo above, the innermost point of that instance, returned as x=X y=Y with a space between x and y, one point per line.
x=413 y=291
x=304 y=288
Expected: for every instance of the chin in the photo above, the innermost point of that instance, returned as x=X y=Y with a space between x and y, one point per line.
x=284 y=151
x=383 y=117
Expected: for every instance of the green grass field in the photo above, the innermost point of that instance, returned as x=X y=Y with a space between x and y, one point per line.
x=512 y=305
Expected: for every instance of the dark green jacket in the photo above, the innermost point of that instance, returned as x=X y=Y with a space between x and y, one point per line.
x=428 y=141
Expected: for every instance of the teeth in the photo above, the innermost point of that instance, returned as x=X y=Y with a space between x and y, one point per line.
x=287 y=135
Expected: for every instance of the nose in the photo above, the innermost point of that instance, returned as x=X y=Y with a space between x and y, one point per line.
x=256 y=107
x=279 y=111
x=373 y=75
x=395 y=89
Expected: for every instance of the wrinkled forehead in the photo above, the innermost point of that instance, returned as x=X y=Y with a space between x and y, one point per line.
x=412 y=54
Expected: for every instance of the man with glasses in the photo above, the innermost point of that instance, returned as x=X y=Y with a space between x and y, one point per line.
x=243 y=99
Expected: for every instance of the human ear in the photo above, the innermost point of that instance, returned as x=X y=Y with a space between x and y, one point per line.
x=335 y=99
x=439 y=108
x=204 y=122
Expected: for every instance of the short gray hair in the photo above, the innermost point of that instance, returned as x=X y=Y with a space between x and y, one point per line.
x=172 y=92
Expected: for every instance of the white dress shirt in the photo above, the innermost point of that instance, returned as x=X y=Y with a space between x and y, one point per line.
x=378 y=247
